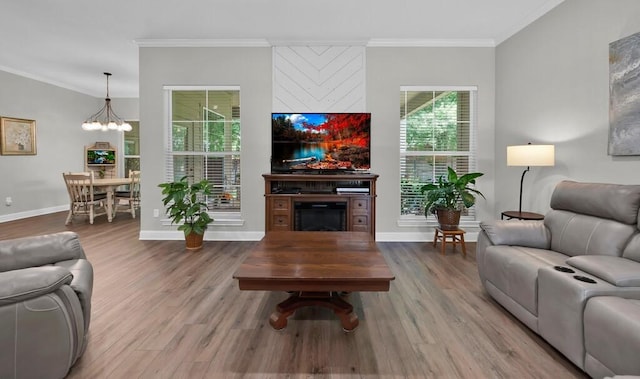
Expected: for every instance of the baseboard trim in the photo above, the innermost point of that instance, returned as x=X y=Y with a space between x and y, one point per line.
x=221 y=235
x=217 y=235
x=33 y=213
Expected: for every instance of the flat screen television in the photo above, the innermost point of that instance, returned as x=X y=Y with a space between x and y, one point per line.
x=101 y=157
x=321 y=142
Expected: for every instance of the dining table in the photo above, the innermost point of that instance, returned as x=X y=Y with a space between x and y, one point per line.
x=109 y=185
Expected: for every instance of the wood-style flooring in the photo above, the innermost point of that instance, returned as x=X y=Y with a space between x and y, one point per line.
x=160 y=311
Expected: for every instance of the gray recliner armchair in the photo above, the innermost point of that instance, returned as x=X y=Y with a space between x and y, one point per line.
x=45 y=305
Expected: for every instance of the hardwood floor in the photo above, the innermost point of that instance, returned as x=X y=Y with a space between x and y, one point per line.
x=160 y=311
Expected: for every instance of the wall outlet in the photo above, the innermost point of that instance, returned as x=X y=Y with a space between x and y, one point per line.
x=8 y=201
x=156 y=213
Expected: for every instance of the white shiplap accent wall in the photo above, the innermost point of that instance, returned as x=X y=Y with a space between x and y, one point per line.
x=318 y=78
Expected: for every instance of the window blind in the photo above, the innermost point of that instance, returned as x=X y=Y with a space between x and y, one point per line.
x=437 y=127
x=203 y=141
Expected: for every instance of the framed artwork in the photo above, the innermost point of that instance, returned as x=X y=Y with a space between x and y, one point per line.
x=17 y=136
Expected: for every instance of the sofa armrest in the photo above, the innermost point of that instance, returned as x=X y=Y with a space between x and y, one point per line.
x=517 y=233
x=620 y=272
x=42 y=250
x=82 y=283
x=29 y=283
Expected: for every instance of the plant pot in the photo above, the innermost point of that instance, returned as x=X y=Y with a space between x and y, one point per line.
x=193 y=241
x=449 y=219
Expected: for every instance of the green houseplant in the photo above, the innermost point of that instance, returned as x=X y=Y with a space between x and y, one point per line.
x=447 y=197
x=185 y=203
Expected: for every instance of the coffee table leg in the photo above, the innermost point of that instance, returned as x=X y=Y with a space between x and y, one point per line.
x=344 y=310
x=340 y=307
x=284 y=309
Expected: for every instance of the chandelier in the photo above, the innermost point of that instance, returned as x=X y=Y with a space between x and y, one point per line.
x=106 y=119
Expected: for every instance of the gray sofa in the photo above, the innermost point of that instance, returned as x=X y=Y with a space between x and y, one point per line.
x=45 y=305
x=573 y=277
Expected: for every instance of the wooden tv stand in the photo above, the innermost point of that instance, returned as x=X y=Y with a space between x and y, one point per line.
x=356 y=192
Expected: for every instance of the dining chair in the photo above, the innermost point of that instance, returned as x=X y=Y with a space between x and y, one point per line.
x=129 y=200
x=83 y=200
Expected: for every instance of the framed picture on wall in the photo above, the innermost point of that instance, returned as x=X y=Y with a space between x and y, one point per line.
x=17 y=136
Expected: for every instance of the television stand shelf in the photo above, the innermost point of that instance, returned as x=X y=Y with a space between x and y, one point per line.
x=285 y=195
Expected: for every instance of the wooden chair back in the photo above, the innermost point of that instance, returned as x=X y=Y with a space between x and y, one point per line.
x=130 y=198
x=82 y=198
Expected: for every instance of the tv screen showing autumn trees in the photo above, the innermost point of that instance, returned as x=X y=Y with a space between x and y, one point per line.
x=320 y=141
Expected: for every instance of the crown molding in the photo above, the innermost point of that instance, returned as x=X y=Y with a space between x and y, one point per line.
x=356 y=42
x=202 y=42
x=374 y=42
x=408 y=42
x=47 y=80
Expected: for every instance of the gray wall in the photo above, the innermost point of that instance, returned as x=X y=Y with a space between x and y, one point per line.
x=390 y=68
x=249 y=68
x=552 y=86
x=34 y=182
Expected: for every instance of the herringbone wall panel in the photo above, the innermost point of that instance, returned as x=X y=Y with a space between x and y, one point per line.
x=319 y=79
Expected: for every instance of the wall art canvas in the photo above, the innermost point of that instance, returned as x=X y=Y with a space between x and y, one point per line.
x=624 y=96
x=17 y=136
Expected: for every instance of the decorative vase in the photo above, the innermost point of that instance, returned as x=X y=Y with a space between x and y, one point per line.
x=449 y=219
x=194 y=241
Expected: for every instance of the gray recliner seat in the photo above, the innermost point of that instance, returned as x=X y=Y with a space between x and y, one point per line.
x=545 y=272
x=45 y=305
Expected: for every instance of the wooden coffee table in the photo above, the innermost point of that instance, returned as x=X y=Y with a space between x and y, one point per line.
x=317 y=268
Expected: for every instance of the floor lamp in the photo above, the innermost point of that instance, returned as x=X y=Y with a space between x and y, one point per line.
x=530 y=156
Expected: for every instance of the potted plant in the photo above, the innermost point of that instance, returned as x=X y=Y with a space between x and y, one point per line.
x=447 y=197
x=185 y=204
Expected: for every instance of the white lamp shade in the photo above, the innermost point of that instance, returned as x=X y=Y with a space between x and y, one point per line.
x=531 y=155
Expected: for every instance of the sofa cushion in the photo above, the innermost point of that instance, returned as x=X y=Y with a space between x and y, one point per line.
x=578 y=234
x=517 y=232
x=620 y=272
x=39 y=250
x=29 y=283
x=632 y=250
x=514 y=271
x=611 y=201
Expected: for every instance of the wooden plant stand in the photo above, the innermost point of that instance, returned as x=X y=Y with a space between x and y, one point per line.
x=455 y=236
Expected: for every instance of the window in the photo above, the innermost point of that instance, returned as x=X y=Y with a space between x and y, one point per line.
x=132 y=148
x=204 y=141
x=437 y=130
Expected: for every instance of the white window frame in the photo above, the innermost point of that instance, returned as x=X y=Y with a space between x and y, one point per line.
x=221 y=218
x=122 y=148
x=421 y=220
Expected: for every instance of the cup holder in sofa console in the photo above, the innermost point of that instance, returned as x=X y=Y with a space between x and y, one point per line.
x=563 y=269
x=584 y=279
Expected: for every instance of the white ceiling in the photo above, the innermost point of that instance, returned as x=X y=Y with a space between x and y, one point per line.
x=70 y=43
